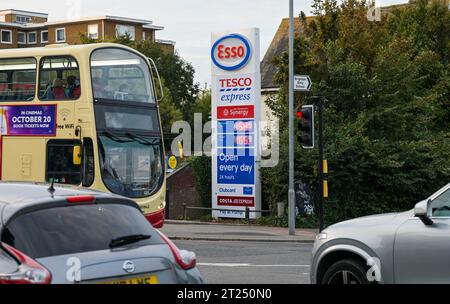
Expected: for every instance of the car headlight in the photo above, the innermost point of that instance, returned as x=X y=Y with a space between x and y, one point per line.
x=321 y=236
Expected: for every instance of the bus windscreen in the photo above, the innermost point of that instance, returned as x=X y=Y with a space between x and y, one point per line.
x=120 y=75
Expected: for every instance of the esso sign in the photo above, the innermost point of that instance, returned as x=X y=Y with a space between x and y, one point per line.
x=231 y=52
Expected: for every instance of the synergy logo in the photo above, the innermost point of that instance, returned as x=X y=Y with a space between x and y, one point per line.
x=231 y=52
x=233 y=112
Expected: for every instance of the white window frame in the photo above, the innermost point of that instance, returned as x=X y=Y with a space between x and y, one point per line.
x=35 y=39
x=42 y=37
x=133 y=37
x=92 y=26
x=56 y=35
x=10 y=37
x=23 y=19
x=24 y=36
x=144 y=35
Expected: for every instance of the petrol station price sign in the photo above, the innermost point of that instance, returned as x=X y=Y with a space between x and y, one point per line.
x=236 y=97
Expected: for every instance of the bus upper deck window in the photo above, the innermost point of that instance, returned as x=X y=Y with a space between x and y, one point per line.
x=59 y=78
x=17 y=79
x=120 y=75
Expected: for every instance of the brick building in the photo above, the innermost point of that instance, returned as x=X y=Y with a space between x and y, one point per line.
x=30 y=29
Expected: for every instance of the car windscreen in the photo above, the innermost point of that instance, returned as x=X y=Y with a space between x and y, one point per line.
x=76 y=229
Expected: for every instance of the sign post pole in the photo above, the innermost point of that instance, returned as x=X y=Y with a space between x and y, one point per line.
x=291 y=193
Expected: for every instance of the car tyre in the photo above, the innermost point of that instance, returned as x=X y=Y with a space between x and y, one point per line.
x=346 y=272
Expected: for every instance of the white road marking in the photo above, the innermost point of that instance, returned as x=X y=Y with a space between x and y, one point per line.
x=246 y=265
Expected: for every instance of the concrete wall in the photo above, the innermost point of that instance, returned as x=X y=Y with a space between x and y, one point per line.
x=269 y=118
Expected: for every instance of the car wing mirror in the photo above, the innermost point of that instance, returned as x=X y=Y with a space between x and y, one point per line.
x=422 y=210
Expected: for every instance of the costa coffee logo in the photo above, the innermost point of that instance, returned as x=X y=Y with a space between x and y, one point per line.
x=236 y=201
x=231 y=52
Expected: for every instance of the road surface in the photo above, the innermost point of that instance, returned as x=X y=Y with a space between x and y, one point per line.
x=225 y=262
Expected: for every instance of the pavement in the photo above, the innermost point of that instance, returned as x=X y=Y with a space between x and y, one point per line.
x=200 y=231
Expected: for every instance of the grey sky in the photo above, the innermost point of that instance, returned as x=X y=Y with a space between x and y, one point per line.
x=187 y=22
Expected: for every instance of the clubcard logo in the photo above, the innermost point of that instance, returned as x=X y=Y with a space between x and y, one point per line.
x=235 y=190
x=231 y=52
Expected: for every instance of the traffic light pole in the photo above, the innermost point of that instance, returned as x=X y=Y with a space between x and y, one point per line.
x=321 y=102
x=291 y=193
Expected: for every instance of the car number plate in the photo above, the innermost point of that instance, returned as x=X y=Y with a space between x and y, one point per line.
x=137 y=281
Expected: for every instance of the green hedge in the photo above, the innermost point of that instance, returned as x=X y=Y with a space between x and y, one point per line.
x=202 y=170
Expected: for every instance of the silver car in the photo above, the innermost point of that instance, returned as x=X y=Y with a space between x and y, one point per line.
x=408 y=247
x=62 y=235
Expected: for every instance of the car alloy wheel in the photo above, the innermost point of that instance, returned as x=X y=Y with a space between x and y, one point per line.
x=350 y=271
x=344 y=277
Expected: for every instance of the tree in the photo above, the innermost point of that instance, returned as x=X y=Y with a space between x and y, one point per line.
x=388 y=116
x=169 y=114
x=177 y=74
x=203 y=105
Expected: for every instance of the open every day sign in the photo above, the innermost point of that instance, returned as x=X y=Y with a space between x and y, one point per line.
x=236 y=169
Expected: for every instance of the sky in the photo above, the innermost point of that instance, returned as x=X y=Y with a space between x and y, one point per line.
x=187 y=22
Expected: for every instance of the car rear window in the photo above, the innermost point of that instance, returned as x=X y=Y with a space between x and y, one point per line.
x=76 y=229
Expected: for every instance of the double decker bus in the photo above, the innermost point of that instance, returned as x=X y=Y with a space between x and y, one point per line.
x=83 y=115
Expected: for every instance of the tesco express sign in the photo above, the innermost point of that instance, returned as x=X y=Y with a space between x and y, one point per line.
x=231 y=52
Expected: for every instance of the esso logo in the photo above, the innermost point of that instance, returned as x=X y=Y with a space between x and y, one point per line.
x=231 y=52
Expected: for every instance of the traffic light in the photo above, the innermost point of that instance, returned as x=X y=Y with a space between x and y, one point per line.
x=306 y=126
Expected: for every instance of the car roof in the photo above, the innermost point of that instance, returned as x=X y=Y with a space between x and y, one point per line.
x=21 y=197
x=18 y=192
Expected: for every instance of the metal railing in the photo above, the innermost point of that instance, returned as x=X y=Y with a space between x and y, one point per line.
x=247 y=211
